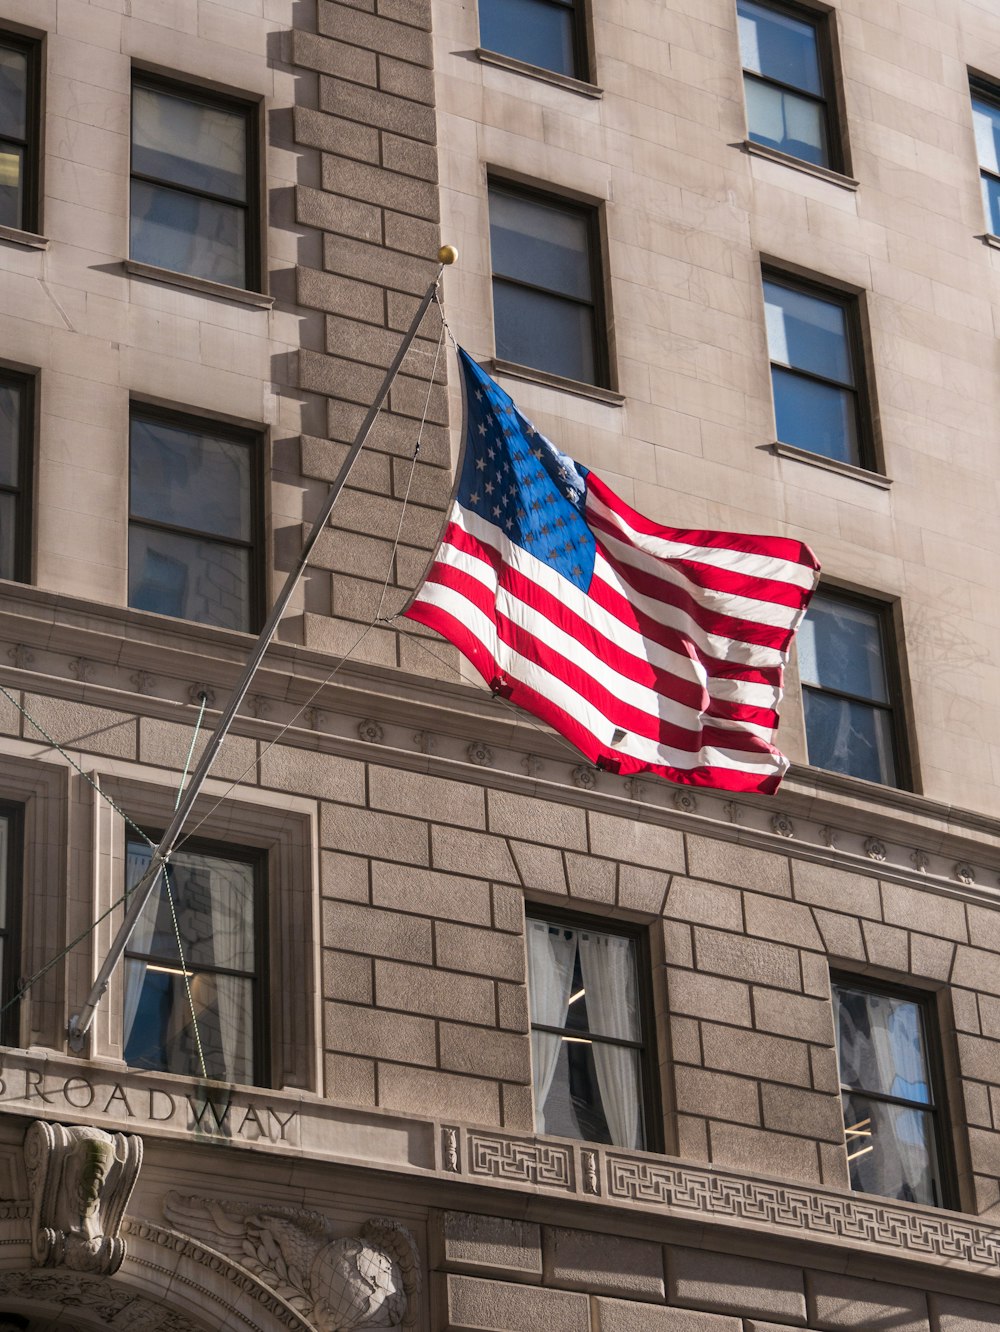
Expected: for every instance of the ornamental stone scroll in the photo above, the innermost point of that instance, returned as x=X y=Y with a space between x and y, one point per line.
x=80 y=1180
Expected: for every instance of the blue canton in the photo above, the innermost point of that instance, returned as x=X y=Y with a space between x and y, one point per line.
x=518 y=480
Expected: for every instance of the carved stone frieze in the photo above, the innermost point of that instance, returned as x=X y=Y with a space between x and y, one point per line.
x=80 y=1181
x=112 y=1304
x=335 y=1282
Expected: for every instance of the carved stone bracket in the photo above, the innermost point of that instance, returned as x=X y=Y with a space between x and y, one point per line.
x=80 y=1180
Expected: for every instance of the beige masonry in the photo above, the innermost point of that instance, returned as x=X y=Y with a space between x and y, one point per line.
x=406 y=819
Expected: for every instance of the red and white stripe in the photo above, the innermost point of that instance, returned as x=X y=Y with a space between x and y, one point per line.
x=679 y=642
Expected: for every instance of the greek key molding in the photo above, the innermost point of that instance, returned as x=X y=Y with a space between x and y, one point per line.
x=592 y=1173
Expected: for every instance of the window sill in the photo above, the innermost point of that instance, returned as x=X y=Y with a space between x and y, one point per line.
x=543 y=75
x=991 y=240
x=202 y=285
x=798 y=164
x=531 y=376
x=830 y=465
x=26 y=238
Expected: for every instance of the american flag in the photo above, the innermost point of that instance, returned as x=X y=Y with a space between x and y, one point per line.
x=652 y=649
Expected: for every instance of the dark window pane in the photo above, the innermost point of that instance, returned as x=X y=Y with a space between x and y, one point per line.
x=991 y=203
x=881 y=1044
x=891 y=1151
x=986 y=121
x=840 y=647
x=5 y=836
x=11 y=184
x=531 y=30
x=540 y=243
x=190 y=578
x=8 y=533
x=782 y=120
x=191 y=479
x=807 y=332
x=160 y=1032
x=592 y=1093
x=815 y=416
x=13 y=93
x=10 y=428
x=848 y=737
x=779 y=46
x=544 y=331
x=186 y=142
x=213 y=898
x=188 y=235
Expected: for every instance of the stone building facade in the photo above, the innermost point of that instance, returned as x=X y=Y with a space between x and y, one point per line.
x=380 y=1158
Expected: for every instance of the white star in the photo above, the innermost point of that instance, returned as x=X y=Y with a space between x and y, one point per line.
x=488 y=487
x=496 y=511
x=482 y=430
x=481 y=464
x=474 y=497
x=479 y=395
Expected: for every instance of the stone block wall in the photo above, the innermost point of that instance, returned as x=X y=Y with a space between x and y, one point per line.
x=365 y=127
x=495 y=1274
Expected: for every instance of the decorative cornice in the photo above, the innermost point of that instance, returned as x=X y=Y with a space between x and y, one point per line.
x=454 y=729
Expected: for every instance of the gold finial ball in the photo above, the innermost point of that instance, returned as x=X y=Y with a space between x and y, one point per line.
x=448 y=254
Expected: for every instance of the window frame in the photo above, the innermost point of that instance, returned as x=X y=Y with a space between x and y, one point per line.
x=887 y=616
x=254 y=439
x=869 y=453
x=985 y=91
x=256 y=857
x=650 y=1099
x=931 y=1026
x=250 y=110
x=592 y=215
x=582 y=56
x=23 y=491
x=31 y=191
x=10 y=1020
x=821 y=21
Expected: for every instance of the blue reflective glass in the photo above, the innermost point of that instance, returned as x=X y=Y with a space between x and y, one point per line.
x=784 y=121
x=840 y=647
x=779 y=46
x=8 y=534
x=543 y=331
x=849 y=737
x=891 y=1151
x=535 y=31
x=190 y=478
x=190 y=578
x=13 y=93
x=986 y=123
x=808 y=332
x=991 y=203
x=11 y=184
x=815 y=416
x=189 y=143
x=881 y=1043
x=10 y=432
x=188 y=234
x=541 y=243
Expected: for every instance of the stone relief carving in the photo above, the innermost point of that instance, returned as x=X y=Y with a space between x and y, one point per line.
x=480 y=754
x=370 y=731
x=116 y=1305
x=335 y=1283
x=80 y=1181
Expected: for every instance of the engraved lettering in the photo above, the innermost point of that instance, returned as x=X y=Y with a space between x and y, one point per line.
x=154 y=1092
x=33 y=1085
x=78 y=1088
x=282 y=1123
x=118 y=1094
x=201 y=1117
x=251 y=1113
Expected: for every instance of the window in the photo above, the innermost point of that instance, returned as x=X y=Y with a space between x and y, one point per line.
x=15 y=475
x=10 y=897
x=547 y=308
x=986 y=120
x=194 y=521
x=193 y=182
x=849 y=689
x=546 y=33
x=817 y=371
x=786 y=80
x=592 y=1072
x=19 y=119
x=888 y=1089
x=216 y=897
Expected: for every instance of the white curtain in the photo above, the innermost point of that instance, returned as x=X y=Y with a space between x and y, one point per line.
x=609 y=979
x=231 y=898
x=551 y=955
x=136 y=865
x=897 y=1046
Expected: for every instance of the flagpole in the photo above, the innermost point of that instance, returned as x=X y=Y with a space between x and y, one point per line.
x=80 y=1023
